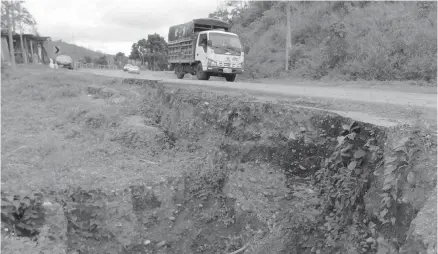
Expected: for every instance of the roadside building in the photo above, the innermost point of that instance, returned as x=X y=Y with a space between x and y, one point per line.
x=38 y=49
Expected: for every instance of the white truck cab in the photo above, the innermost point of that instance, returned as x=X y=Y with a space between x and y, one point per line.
x=205 y=48
x=219 y=52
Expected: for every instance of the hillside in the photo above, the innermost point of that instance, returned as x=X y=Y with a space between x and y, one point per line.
x=338 y=40
x=75 y=51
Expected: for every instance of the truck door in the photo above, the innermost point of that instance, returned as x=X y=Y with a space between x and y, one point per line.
x=201 y=50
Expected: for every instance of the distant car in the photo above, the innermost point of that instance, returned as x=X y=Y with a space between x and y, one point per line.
x=126 y=67
x=131 y=68
x=64 y=61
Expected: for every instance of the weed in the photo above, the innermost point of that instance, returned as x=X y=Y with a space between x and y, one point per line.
x=351 y=41
x=23 y=215
x=344 y=179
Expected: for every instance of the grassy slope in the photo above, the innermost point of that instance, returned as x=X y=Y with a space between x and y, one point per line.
x=55 y=136
x=342 y=40
x=51 y=136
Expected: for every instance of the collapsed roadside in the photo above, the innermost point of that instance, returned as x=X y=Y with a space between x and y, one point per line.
x=260 y=176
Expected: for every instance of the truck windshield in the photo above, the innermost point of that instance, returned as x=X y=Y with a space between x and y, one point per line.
x=225 y=41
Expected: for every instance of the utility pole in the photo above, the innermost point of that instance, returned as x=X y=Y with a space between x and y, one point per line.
x=11 y=40
x=288 y=35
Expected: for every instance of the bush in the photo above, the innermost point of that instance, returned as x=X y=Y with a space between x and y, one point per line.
x=369 y=41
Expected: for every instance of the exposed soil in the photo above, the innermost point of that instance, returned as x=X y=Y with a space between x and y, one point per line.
x=104 y=165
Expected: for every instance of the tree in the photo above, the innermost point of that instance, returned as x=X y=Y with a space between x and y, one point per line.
x=101 y=60
x=135 y=54
x=139 y=50
x=9 y=25
x=151 y=50
x=157 y=50
x=5 y=16
x=247 y=13
x=142 y=49
x=87 y=59
x=221 y=13
x=18 y=14
x=229 y=11
x=120 y=58
x=23 y=17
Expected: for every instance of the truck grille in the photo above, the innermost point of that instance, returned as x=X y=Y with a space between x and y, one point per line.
x=222 y=64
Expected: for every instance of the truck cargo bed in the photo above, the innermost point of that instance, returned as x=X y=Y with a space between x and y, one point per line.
x=182 y=52
x=182 y=38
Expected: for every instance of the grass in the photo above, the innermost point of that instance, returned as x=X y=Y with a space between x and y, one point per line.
x=57 y=133
x=54 y=136
x=342 y=40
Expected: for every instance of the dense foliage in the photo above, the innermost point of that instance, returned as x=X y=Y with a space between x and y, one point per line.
x=152 y=50
x=347 y=40
x=22 y=19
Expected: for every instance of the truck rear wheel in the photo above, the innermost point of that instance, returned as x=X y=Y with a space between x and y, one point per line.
x=200 y=74
x=230 y=77
x=179 y=71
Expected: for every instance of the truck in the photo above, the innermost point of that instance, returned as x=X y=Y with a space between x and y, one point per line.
x=205 y=47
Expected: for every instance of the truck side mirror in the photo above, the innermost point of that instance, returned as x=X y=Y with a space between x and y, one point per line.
x=209 y=43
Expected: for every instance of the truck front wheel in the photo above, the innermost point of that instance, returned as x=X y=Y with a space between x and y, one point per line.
x=230 y=77
x=200 y=74
x=179 y=71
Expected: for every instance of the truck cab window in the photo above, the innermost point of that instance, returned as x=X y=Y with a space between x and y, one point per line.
x=203 y=41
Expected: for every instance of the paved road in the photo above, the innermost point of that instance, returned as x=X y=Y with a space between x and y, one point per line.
x=354 y=94
x=381 y=107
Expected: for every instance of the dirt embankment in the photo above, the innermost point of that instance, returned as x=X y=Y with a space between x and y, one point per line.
x=246 y=177
x=381 y=103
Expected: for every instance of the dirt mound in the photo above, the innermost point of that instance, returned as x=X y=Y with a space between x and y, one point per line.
x=111 y=95
x=102 y=92
x=95 y=119
x=134 y=132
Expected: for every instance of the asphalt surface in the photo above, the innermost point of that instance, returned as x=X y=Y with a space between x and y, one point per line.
x=422 y=101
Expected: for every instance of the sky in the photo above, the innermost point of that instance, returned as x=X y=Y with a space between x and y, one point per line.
x=113 y=26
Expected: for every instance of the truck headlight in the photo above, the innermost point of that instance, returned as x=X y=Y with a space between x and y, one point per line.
x=240 y=65
x=212 y=63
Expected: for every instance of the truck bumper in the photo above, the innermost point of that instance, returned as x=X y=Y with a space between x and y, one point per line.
x=221 y=70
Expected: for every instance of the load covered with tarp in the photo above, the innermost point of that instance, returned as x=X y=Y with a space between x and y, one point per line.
x=186 y=31
x=63 y=60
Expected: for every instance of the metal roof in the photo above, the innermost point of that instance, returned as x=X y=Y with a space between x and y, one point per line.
x=28 y=36
x=211 y=22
